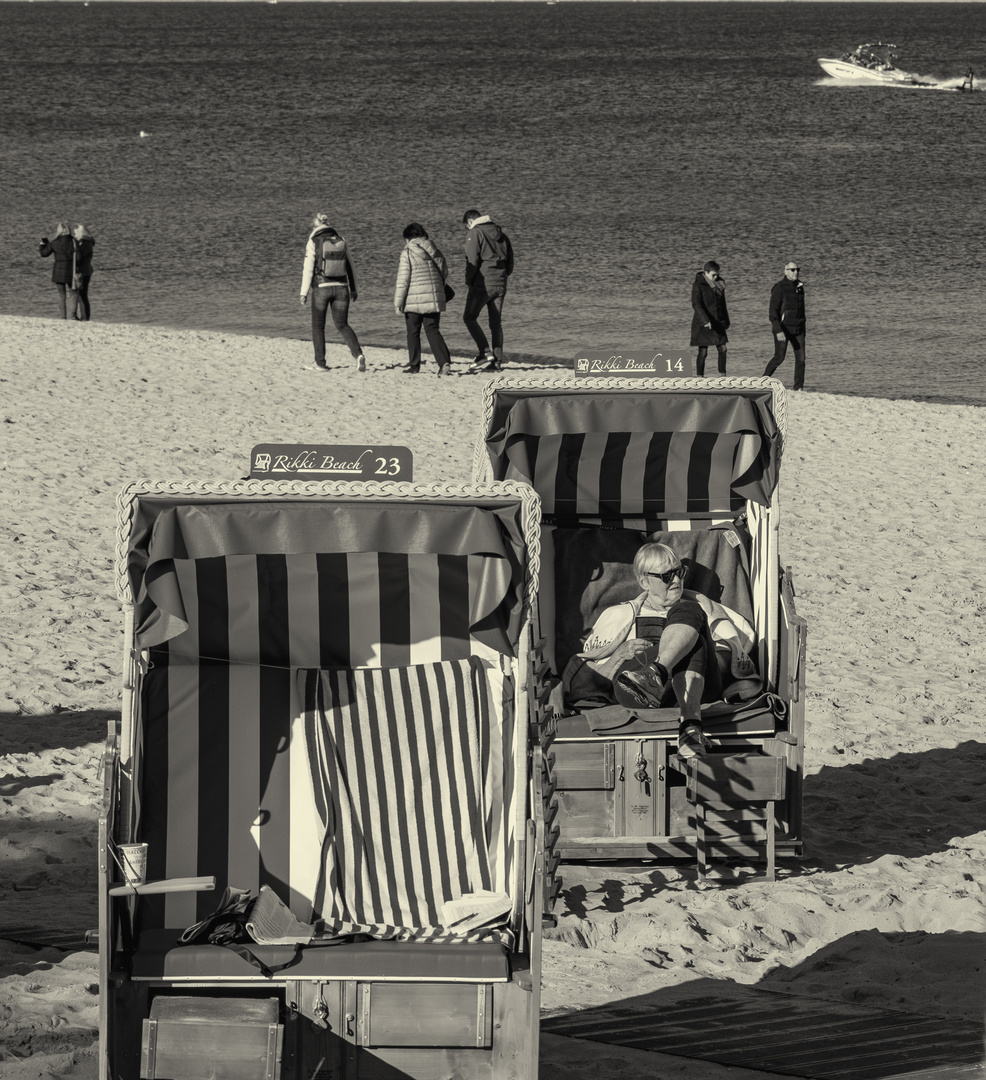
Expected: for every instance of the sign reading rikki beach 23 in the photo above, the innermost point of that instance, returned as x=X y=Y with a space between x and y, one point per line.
x=610 y=363
x=308 y=461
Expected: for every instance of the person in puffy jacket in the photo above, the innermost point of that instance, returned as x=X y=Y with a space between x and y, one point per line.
x=489 y=262
x=63 y=248
x=329 y=275
x=711 y=318
x=420 y=298
x=85 y=243
x=787 y=321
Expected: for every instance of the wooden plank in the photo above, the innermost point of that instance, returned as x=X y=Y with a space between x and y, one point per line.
x=803 y=1037
x=583 y=766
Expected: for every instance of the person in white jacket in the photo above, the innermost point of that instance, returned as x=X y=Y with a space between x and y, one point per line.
x=420 y=297
x=329 y=276
x=667 y=645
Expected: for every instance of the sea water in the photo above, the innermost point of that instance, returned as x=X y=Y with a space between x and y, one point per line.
x=620 y=145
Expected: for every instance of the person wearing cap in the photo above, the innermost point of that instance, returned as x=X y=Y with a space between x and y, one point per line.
x=787 y=321
x=328 y=270
x=489 y=262
x=710 y=320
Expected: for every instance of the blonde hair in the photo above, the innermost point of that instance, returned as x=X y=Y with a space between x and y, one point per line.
x=61 y=229
x=321 y=218
x=82 y=231
x=655 y=558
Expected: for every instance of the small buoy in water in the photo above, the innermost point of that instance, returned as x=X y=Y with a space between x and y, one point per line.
x=144 y=134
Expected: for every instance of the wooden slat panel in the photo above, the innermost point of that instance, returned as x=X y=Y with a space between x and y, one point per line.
x=804 y=1037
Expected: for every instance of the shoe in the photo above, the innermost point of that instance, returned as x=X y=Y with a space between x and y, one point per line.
x=481 y=362
x=491 y=367
x=361 y=362
x=643 y=688
x=691 y=742
x=445 y=369
x=316 y=367
x=410 y=370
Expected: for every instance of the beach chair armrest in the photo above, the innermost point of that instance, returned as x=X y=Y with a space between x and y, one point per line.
x=168 y=885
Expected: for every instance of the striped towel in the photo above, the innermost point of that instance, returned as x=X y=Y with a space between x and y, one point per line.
x=407 y=769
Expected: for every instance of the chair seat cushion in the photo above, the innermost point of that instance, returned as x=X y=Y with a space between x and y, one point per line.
x=157 y=956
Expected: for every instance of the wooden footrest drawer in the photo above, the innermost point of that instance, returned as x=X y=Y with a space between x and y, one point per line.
x=200 y=1038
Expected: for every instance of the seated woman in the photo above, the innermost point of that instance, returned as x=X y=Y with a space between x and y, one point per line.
x=668 y=645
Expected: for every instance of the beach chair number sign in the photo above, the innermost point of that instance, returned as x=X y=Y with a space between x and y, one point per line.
x=608 y=363
x=308 y=461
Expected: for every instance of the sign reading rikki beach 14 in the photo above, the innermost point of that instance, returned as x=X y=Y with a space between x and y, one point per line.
x=607 y=363
x=307 y=461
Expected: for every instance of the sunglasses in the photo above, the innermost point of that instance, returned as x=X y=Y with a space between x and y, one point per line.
x=792 y=268
x=669 y=575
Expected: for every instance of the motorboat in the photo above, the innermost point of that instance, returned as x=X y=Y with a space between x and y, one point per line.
x=871 y=62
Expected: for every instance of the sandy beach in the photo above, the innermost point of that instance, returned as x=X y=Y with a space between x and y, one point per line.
x=883 y=525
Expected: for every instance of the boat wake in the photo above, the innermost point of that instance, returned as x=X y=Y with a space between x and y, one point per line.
x=918 y=82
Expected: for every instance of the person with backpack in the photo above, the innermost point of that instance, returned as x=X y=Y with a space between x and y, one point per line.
x=420 y=296
x=328 y=274
x=489 y=262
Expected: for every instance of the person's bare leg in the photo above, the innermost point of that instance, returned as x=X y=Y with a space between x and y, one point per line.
x=676 y=642
x=688 y=687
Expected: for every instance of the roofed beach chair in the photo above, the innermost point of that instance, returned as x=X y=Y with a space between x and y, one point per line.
x=328 y=705
x=694 y=464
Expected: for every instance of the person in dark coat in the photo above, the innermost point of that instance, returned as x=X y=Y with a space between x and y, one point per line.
x=489 y=262
x=85 y=243
x=711 y=319
x=63 y=248
x=787 y=321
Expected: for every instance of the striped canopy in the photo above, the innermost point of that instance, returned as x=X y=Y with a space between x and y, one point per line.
x=354 y=549
x=618 y=453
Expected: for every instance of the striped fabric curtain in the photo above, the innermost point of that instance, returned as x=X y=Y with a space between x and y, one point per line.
x=616 y=455
x=407 y=769
x=612 y=475
x=224 y=787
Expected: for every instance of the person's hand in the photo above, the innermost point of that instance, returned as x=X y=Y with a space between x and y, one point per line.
x=304 y=298
x=353 y=296
x=399 y=309
x=708 y=325
x=630 y=649
x=780 y=336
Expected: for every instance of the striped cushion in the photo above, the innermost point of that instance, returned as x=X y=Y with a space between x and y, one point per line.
x=407 y=771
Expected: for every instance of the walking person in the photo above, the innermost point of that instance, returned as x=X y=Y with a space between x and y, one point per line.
x=420 y=296
x=787 y=321
x=85 y=242
x=489 y=262
x=63 y=247
x=329 y=276
x=711 y=319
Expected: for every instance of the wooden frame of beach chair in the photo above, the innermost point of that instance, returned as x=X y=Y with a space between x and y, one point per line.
x=329 y=692
x=693 y=463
